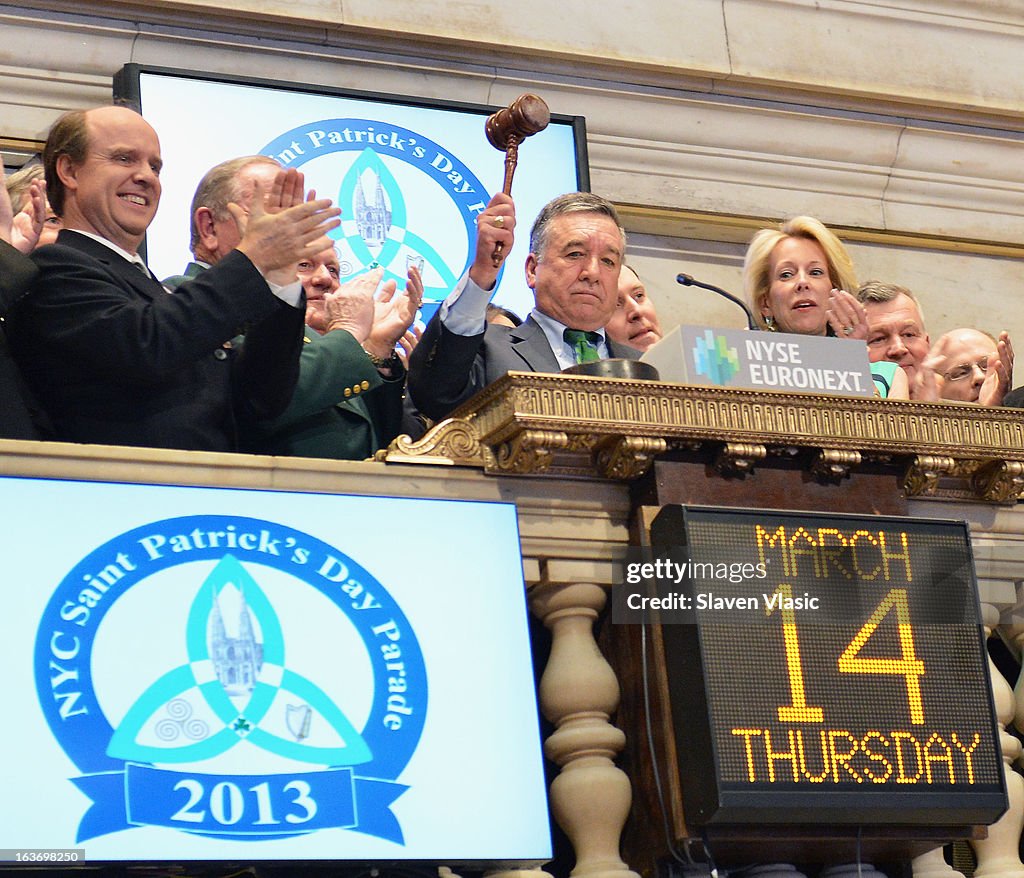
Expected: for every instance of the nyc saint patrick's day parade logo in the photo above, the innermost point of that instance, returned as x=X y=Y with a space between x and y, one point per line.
x=230 y=677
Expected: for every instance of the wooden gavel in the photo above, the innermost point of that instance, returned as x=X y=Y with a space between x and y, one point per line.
x=509 y=127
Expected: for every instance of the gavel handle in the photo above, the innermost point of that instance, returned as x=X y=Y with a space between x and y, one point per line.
x=511 y=158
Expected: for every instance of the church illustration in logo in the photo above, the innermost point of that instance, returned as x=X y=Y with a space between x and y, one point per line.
x=238 y=687
x=239 y=710
x=373 y=217
x=237 y=660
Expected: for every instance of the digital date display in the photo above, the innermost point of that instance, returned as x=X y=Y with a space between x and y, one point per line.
x=845 y=680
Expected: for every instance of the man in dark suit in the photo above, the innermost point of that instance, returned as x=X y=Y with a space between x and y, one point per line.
x=16 y=275
x=576 y=250
x=348 y=399
x=113 y=357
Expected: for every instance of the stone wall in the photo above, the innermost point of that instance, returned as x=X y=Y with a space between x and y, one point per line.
x=898 y=123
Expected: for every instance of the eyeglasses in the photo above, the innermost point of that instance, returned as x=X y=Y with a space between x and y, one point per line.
x=958 y=373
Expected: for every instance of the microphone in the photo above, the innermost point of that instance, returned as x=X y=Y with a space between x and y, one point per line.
x=688 y=281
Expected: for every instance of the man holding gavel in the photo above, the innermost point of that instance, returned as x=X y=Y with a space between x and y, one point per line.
x=576 y=250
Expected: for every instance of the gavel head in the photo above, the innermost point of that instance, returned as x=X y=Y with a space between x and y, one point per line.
x=526 y=115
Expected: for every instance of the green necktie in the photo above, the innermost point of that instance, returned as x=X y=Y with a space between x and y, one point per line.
x=584 y=344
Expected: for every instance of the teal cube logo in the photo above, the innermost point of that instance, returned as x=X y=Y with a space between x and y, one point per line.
x=714 y=359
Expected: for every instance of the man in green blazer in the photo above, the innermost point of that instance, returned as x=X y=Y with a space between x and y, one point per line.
x=348 y=402
x=348 y=399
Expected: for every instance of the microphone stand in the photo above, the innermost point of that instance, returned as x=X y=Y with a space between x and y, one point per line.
x=688 y=281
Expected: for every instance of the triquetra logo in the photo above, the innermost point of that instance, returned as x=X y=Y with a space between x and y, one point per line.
x=232 y=677
x=405 y=199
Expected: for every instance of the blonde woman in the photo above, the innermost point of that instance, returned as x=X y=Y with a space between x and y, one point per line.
x=797 y=277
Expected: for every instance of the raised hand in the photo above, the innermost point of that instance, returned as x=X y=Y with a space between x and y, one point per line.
x=282 y=228
x=350 y=307
x=28 y=225
x=847 y=316
x=495 y=225
x=928 y=380
x=407 y=344
x=999 y=377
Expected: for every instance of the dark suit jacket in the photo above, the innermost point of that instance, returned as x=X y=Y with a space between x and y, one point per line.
x=16 y=274
x=332 y=412
x=115 y=359
x=447 y=369
x=1015 y=398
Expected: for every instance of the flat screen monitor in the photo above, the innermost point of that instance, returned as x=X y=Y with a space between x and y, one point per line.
x=216 y=675
x=409 y=174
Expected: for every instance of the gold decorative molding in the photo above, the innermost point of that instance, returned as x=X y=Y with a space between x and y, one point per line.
x=999 y=480
x=18 y=150
x=832 y=465
x=530 y=451
x=627 y=457
x=453 y=442
x=532 y=423
x=738 y=229
x=922 y=476
x=739 y=458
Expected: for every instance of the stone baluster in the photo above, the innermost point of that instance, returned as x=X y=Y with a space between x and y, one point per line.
x=579 y=693
x=998 y=855
x=1013 y=627
x=933 y=865
x=851 y=870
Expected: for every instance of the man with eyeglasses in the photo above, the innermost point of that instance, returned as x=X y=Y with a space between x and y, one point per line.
x=348 y=401
x=972 y=366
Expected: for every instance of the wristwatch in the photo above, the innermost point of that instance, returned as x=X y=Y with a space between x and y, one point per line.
x=384 y=362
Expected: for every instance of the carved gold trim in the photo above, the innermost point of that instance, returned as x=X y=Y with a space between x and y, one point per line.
x=834 y=465
x=528 y=452
x=999 y=480
x=451 y=442
x=923 y=474
x=738 y=458
x=530 y=423
x=627 y=457
x=738 y=229
x=18 y=150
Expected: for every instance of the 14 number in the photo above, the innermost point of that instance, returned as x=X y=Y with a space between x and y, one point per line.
x=908 y=666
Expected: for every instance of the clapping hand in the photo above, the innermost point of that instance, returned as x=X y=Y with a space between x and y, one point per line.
x=349 y=307
x=394 y=313
x=999 y=377
x=283 y=227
